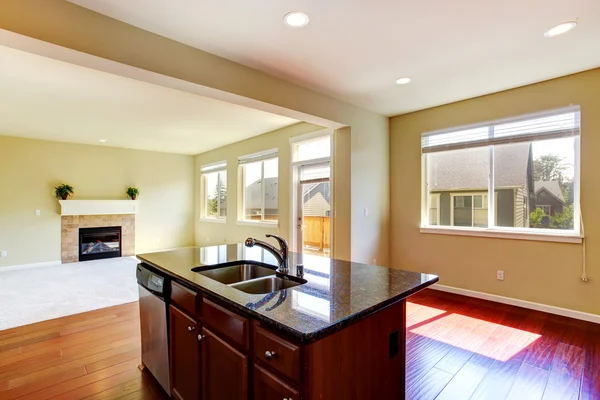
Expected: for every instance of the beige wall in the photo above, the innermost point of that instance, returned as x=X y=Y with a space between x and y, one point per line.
x=231 y=232
x=67 y=25
x=541 y=272
x=30 y=169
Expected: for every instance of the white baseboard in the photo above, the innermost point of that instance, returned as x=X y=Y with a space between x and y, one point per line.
x=27 y=266
x=520 y=303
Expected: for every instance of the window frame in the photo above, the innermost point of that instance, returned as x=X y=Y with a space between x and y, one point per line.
x=537 y=234
x=438 y=214
x=204 y=171
x=261 y=158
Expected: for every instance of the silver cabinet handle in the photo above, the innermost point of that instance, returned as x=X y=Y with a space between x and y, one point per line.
x=200 y=337
x=191 y=328
x=269 y=354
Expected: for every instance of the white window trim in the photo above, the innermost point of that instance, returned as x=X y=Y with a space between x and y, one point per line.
x=205 y=170
x=439 y=199
x=545 y=235
x=242 y=192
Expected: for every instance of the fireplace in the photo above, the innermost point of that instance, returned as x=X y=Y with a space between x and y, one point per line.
x=97 y=243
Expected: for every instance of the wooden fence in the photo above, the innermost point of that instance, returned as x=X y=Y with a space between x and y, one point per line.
x=317 y=232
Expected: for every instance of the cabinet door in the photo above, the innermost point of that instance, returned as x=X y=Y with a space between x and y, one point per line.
x=224 y=370
x=268 y=387
x=185 y=356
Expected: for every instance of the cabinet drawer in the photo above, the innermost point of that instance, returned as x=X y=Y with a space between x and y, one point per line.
x=228 y=324
x=269 y=387
x=186 y=299
x=281 y=355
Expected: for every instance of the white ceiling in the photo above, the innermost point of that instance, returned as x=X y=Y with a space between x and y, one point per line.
x=42 y=98
x=355 y=50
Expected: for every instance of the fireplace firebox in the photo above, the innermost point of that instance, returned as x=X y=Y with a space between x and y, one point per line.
x=97 y=243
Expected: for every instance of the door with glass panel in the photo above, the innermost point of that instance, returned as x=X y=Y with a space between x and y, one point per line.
x=315 y=209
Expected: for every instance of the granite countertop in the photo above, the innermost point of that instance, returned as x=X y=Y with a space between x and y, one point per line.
x=337 y=292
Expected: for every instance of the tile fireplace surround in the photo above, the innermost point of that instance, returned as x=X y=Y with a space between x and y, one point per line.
x=70 y=225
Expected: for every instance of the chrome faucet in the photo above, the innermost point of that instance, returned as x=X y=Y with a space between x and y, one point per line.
x=280 y=254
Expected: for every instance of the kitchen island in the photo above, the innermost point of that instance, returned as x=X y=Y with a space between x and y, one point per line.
x=335 y=331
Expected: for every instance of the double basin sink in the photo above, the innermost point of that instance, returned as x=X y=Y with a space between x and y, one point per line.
x=250 y=278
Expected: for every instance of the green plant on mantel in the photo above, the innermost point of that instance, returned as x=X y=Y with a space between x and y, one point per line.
x=63 y=191
x=132 y=192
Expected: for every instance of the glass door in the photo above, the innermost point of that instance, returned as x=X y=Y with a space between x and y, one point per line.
x=315 y=208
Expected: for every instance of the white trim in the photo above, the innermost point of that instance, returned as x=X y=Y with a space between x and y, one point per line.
x=213 y=220
x=312 y=135
x=439 y=206
x=565 y=312
x=98 y=207
x=502 y=234
x=214 y=167
x=262 y=224
x=28 y=266
x=259 y=156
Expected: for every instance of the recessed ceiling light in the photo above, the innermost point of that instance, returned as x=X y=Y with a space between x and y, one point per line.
x=560 y=29
x=402 y=81
x=296 y=19
x=102 y=140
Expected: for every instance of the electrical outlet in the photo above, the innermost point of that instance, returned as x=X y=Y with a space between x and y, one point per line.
x=500 y=275
x=4 y=253
x=366 y=212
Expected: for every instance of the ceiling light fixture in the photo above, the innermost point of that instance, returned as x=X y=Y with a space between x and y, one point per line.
x=561 y=28
x=296 y=19
x=402 y=81
x=102 y=140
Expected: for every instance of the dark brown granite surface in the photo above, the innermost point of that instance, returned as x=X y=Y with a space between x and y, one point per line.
x=337 y=292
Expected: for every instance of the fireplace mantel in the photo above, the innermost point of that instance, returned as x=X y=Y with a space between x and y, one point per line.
x=98 y=207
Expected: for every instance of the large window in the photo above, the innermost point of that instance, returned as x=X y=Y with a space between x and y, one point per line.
x=260 y=194
x=519 y=174
x=214 y=191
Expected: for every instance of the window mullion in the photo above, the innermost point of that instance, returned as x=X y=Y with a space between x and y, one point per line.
x=262 y=202
x=218 y=195
x=491 y=184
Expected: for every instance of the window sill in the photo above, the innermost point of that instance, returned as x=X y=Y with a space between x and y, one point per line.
x=214 y=220
x=262 y=224
x=503 y=234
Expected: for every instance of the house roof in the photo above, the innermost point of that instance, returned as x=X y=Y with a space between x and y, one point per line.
x=468 y=169
x=551 y=187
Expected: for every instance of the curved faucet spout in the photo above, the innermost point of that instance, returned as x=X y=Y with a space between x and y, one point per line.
x=280 y=254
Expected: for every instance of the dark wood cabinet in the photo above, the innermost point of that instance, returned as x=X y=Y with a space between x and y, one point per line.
x=224 y=370
x=185 y=356
x=269 y=387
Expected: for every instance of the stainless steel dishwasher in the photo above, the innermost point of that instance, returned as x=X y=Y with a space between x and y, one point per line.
x=153 y=322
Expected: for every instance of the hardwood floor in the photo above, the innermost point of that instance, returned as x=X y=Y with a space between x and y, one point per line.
x=94 y=355
x=464 y=348
x=458 y=348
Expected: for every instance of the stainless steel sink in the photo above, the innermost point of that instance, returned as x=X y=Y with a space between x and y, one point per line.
x=236 y=273
x=266 y=285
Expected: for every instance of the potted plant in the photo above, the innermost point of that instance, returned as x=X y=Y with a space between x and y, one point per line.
x=132 y=192
x=63 y=191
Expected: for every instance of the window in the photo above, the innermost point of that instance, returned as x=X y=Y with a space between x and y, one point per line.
x=529 y=163
x=544 y=208
x=312 y=149
x=470 y=210
x=214 y=191
x=260 y=194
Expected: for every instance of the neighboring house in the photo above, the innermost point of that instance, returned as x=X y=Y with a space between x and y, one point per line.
x=458 y=186
x=549 y=197
x=316 y=200
x=253 y=199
